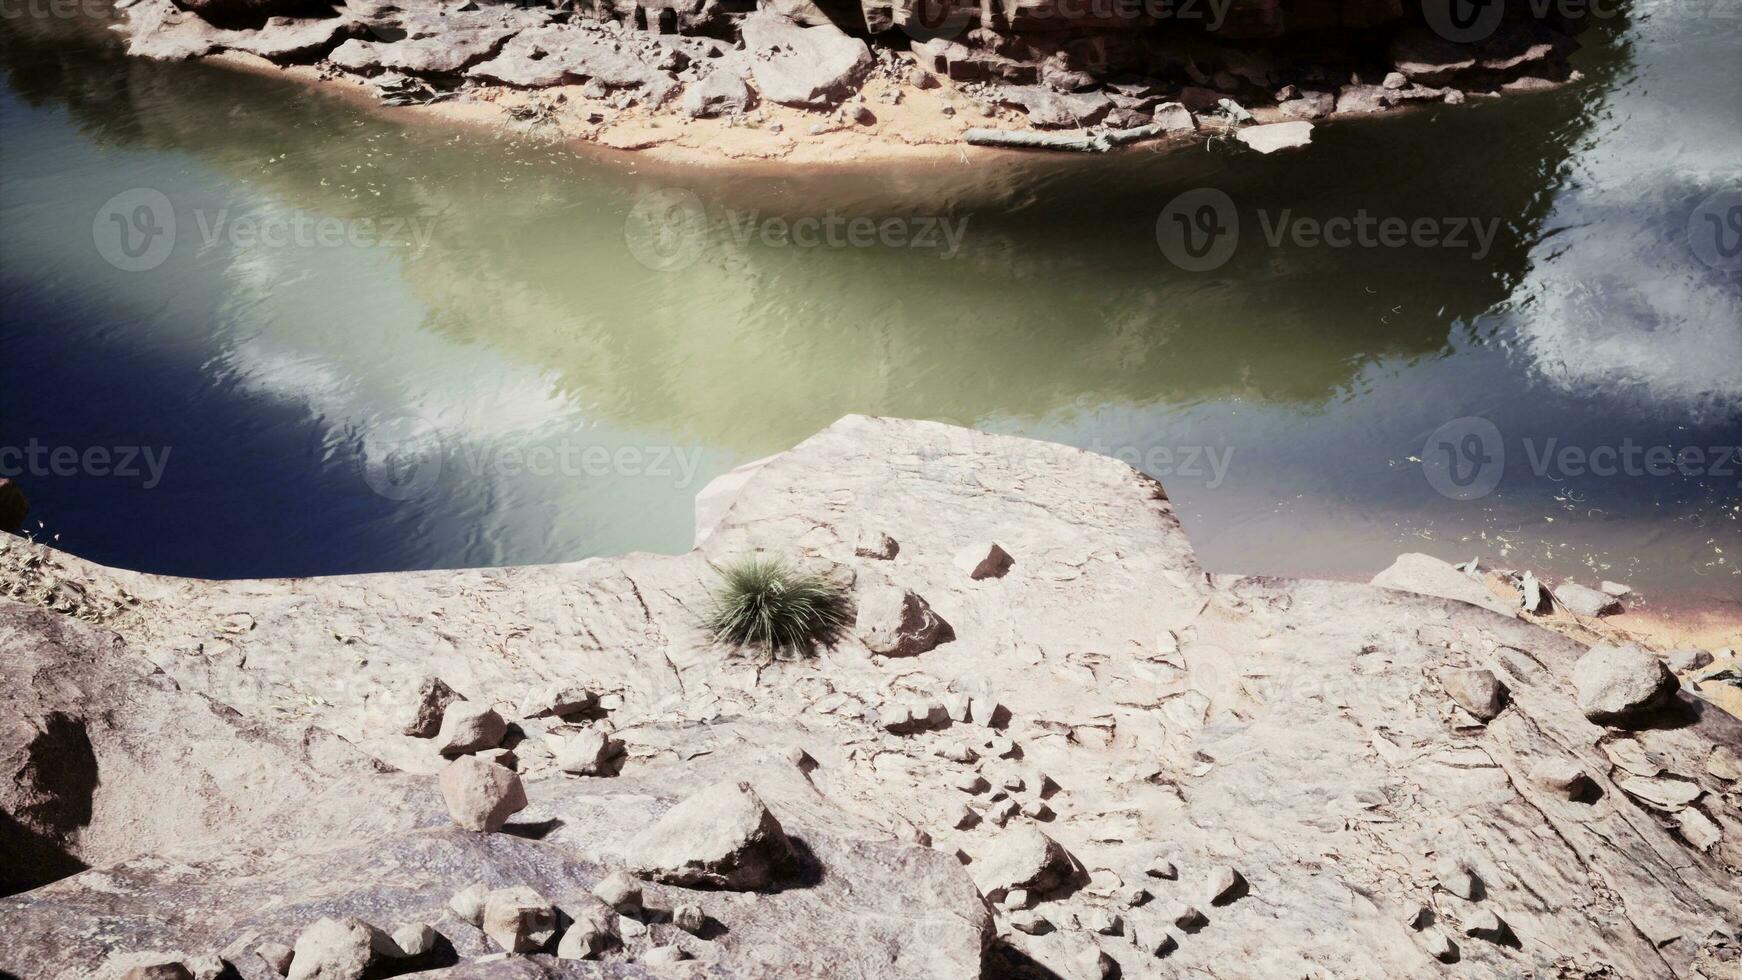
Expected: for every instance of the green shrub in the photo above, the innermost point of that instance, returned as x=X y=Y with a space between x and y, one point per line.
x=764 y=602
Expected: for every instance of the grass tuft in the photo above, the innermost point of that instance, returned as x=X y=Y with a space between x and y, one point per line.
x=764 y=602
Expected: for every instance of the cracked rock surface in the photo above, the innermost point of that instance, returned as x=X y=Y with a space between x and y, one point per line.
x=216 y=766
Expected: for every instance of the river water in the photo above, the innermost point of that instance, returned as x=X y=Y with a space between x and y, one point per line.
x=254 y=330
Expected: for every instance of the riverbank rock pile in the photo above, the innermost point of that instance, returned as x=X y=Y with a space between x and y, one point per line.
x=1048 y=64
x=1110 y=764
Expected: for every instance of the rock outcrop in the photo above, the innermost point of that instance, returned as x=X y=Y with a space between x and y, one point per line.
x=1172 y=771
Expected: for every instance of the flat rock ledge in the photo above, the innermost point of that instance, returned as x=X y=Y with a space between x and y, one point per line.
x=1115 y=764
x=950 y=66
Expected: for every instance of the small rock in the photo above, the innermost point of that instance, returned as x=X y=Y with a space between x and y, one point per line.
x=621 y=892
x=1724 y=763
x=481 y=796
x=958 y=706
x=721 y=93
x=498 y=757
x=1162 y=945
x=414 y=939
x=922 y=79
x=1032 y=923
x=1687 y=661
x=433 y=698
x=1222 y=885
x=468 y=903
x=1311 y=105
x=957 y=752
x=1532 y=597
x=167 y=966
x=897 y=623
x=1394 y=80
x=1619 y=590
x=1016 y=899
x=1003 y=812
x=1024 y=858
x=1459 y=880
x=519 y=919
x=631 y=928
x=557 y=700
x=720 y=837
x=1277 y=136
x=986 y=712
x=1484 y=924
x=1174 y=118
x=468 y=727
x=661 y=957
x=859 y=113
x=588 y=753
x=1698 y=829
x=1003 y=748
x=276 y=956
x=1162 y=867
x=876 y=545
x=800 y=759
x=1562 y=777
x=1094 y=963
x=1419 y=918
x=1104 y=921
x=1584 y=601
x=1440 y=946
x=966 y=818
x=592 y=929
x=338 y=949
x=973 y=784
x=983 y=560
x=1477 y=691
x=689 y=918
x=948 y=110
x=1037 y=810
x=1185 y=916
x=1621 y=685
x=818 y=129
x=913 y=716
x=1454 y=97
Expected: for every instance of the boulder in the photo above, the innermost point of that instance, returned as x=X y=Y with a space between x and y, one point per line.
x=557 y=54
x=1583 y=600
x=1477 y=691
x=721 y=837
x=433 y=698
x=1619 y=685
x=621 y=892
x=248 y=13
x=1309 y=105
x=414 y=940
x=876 y=545
x=469 y=726
x=1024 y=858
x=591 y=931
x=519 y=919
x=288 y=40
x=590 y=753
x=808 y=67
x=897 y=623
x=1365 y=98
x=481 y=795
x=338 y=949
x=14 y=507
x=557 y=700
x=1174 y=118
x=721 y=93
x=1276 y=136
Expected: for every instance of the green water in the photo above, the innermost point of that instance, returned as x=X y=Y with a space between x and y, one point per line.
x=467 y=349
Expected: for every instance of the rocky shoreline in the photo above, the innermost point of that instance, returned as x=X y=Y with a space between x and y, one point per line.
x=1050 y=746
x=714 y=80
